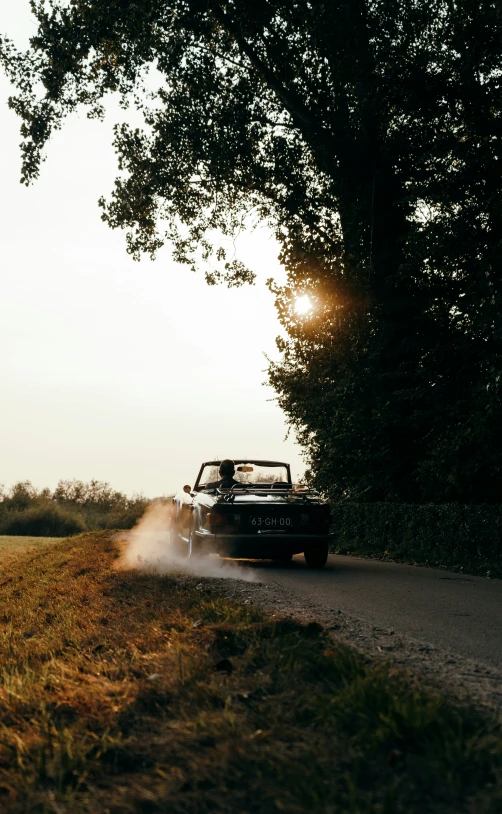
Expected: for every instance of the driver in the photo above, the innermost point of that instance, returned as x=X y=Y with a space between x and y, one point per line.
x=227 y=471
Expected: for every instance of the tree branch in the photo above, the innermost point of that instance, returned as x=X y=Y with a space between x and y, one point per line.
x=300 y=114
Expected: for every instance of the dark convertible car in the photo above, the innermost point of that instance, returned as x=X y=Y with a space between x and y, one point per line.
x=261 y=515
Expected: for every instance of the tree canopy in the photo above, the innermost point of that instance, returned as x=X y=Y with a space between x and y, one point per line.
x=367 y=134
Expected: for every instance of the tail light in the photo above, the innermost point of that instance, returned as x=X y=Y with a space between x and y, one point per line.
x=216 y=519
x=223 y=522
x=323 y=520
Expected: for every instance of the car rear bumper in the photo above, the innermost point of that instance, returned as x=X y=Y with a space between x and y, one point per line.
x=261 y=546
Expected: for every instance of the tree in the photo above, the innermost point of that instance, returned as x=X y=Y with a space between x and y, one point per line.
x=367 y=134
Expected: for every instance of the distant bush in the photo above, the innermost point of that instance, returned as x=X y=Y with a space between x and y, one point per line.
x=42 y=520
x=451 y=535
x=127 y=517
x=101 y=506
x=73 y=507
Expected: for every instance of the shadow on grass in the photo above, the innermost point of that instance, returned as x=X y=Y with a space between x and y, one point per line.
x=143 y=693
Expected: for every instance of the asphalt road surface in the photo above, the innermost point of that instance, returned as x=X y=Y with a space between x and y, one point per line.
x=447 y=610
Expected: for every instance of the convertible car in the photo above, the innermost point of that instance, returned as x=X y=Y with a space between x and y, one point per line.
x=260 y=516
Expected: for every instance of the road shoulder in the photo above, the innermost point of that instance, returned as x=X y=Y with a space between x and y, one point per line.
x=467 y=680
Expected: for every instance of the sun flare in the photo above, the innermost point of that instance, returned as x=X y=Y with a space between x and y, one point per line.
x=303 y=305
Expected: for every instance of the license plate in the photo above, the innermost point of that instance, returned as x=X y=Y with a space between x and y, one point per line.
x=272 y=522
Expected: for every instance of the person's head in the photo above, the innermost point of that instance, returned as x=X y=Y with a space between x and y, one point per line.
x=227 y=468
x=187 y=489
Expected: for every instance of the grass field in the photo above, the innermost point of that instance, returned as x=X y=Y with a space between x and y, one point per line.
x=124 y=692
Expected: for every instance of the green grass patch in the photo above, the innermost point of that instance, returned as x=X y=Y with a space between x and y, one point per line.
x=128 y=692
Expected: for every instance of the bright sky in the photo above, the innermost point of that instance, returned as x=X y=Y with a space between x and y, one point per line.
x=112 y=369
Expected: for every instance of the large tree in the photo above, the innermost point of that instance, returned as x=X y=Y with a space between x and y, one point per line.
x=367 y=133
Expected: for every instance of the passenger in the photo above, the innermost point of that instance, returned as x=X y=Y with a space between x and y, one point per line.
x=227 y=471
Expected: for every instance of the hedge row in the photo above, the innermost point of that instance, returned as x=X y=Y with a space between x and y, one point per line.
x=454 y=536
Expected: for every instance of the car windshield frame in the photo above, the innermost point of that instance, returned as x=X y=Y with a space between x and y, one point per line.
x=242 y=462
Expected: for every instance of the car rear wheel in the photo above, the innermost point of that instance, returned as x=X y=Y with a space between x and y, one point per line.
x=316 y=556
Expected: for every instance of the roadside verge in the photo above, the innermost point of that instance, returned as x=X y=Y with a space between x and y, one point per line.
x=132 y=692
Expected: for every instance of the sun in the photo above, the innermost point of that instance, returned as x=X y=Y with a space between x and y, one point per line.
x=303 y=305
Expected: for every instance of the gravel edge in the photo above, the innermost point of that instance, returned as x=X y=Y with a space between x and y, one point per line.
x=469 y=682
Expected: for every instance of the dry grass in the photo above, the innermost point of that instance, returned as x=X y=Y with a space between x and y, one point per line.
x=12 y=546
x=124 y=692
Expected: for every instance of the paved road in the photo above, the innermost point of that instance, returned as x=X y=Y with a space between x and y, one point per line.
x=460 y=613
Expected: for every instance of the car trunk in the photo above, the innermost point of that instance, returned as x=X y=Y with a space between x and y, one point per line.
x=269 y=517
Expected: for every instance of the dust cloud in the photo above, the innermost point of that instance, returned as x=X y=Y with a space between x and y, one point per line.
x=147 y=548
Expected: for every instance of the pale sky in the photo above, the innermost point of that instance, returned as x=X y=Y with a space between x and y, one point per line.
x=113 y=369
